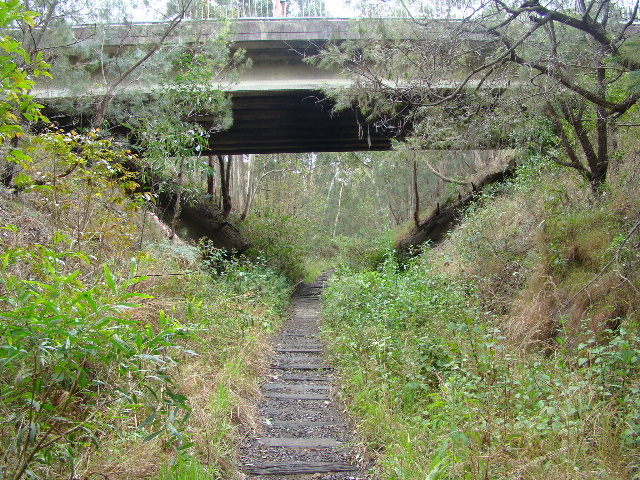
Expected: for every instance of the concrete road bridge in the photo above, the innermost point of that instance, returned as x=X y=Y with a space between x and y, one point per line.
x=278 y=104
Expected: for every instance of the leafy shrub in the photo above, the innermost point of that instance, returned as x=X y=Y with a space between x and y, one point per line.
x=79 y=179
x=391 y=322
x=363 y=253
x=242 y=276
x=279 y=241
x=72 y=360
x=439 y=394
x=18 y=72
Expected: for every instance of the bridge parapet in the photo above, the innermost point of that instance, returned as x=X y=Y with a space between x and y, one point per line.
x=241 y=30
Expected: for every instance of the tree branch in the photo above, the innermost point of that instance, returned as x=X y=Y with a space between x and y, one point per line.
x=613 y=107
x=441 y=176
x=104 y=103
x=632 y=18
x=571 y=153
x=249 y=202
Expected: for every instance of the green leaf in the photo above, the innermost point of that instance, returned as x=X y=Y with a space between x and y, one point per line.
x=174 y=431
x=179 y=399
x=152 y=436
x=185 y=446
x=149 y=420
x=153 y=358
x=109 y=278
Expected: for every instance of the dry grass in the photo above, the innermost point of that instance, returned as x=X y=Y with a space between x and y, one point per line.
x=128 y=460
x=221 y=384
x=532 y=248
x=531 y=324
x=32 y=225
x=223 y=399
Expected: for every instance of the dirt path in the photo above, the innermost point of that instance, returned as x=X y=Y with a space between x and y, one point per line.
x=304 y=434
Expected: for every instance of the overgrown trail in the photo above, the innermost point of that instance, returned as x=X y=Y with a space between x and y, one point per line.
x=304 y=434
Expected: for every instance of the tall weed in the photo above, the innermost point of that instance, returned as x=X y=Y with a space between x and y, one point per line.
x=236 y=305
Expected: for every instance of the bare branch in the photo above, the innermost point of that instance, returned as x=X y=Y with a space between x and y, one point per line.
x=583 y=92
x=632 y=18
x=507 y=55
x=251 y=198
x=441 y=176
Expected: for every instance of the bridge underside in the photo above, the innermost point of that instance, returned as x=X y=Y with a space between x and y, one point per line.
x=293 y=121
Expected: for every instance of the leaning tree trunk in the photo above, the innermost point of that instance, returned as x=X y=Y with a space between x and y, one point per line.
x=434 y=227
x=199 y=218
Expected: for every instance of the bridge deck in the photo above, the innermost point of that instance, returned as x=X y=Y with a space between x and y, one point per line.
x=278 y=106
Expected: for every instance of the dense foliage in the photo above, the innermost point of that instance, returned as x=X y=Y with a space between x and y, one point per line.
x=96 y=333
x=497 y=355
x=85 y=362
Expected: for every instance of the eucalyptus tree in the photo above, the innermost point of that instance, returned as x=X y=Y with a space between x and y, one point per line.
x=194 y=88
x=557 y=74
x=77 y=38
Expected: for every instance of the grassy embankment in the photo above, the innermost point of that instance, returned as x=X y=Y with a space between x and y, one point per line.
x=121 y=351
x=510 y=351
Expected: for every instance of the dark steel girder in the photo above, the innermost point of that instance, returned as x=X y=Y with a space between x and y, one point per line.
x=294 y=121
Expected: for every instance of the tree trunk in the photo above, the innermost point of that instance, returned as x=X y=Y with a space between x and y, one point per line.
x=416 y=195
x=337 y=219
x=178 y=203
x=436 y=225
x=10 y=169
x=211 y=179
x=252 y=195
x=225 y=178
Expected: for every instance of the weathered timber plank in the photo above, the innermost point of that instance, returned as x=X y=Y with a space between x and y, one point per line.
x=300 y=358
x=301 y=366
x=296 y=396
x=300 y=411
x=302 y=423
x=293 y=468
x=295 y=348
x=298 y=442
x=284 y=386
x=304 y=378
x=298 y=350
